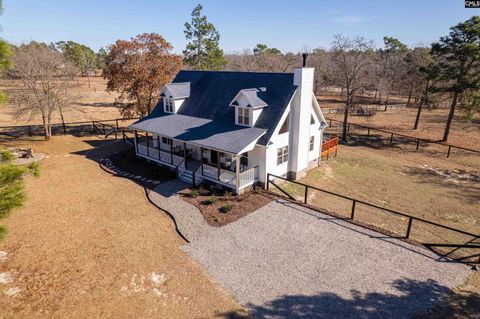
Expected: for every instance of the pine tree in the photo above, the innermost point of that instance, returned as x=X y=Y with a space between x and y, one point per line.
x=203 y=51
x=458 y=58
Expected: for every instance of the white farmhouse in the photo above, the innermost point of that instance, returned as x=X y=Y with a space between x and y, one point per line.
x=232 y=128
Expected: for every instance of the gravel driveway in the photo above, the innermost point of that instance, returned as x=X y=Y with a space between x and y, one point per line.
x=286 y=261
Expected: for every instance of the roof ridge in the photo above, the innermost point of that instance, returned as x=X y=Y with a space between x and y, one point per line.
x=233 y=71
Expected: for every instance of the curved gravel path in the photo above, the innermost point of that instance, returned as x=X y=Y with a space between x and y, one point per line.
x=189 y=219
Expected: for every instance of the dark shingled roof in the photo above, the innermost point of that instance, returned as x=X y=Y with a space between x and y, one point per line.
x=212 y=91
x=218 y=135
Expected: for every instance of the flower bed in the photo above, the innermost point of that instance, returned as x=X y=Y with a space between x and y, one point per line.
x=220 y=208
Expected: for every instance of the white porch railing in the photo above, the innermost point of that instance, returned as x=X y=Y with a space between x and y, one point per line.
x=164 y=156
x=210 y=171
x=228 y=177
x=178 y=160
x=249 y=176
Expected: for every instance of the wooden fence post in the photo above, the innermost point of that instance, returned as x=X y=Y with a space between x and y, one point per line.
x=410 y=220
x=353 y=209
x=306 y=194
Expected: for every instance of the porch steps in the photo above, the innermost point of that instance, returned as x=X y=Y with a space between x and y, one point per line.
x=186 y=176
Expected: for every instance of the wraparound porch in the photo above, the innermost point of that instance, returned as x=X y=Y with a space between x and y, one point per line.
x=195 y=163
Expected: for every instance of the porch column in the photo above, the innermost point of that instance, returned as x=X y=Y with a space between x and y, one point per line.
x=171 y=151
x=158 y=146
x=146 y=135
x=237 y=164
x=218 y=165
x=185 y=154
x=136 y=141
x=201 y=158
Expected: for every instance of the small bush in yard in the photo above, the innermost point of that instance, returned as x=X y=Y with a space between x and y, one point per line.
x=227 y=207
x=6 y=156
x=210 y=201
x=3 y=232
x=193 y=193
x=34 y=168
x=228 y=194
x=3 y=97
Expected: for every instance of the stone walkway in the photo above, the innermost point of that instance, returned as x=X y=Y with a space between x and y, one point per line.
x=138 y=178
x=189 y=219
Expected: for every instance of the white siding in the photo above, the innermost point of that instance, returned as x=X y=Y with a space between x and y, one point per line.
x=256 y=115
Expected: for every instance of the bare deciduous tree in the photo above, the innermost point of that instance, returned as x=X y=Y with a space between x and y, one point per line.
x=46 y=77
x=349 y=69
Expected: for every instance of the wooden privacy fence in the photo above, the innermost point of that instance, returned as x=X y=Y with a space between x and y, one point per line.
x=393 y=137
x=405 y=226
x=103 y=127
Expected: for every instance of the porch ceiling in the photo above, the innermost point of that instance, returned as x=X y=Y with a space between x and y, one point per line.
x=222 y=136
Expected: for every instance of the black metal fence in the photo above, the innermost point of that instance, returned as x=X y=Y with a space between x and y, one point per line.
x=365 y=132
x=462 y=245
x=371 y=107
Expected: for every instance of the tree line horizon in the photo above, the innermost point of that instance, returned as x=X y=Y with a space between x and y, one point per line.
x=137 y=69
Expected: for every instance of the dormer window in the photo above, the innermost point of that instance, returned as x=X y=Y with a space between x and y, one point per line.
x=243 y=116
x=248 y=105
x=174 y=94
x=169 y=104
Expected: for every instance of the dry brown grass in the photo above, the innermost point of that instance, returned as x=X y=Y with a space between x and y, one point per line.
x=86 y=244
x=91 y=103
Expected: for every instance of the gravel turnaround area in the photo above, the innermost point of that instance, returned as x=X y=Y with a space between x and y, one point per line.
x=287 y=261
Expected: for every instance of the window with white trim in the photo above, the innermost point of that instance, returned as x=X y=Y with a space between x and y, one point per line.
x=282 y=155
x=312 y=143
x=243 y=116
x=169 y=104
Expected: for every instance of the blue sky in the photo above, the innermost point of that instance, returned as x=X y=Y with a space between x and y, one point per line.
x=287 y=25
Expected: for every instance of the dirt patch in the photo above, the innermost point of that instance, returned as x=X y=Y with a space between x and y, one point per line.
x=212 y=204
x=84 y=234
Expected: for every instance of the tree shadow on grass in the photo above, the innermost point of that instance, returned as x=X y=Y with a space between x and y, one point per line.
x=119 y=159
x=410 y=299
